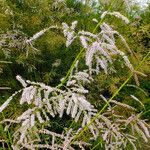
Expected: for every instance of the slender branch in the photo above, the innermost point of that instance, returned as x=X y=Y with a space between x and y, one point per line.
x=6 y=62
x=5 y=88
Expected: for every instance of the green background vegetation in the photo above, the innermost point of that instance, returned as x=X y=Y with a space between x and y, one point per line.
x=20 y=20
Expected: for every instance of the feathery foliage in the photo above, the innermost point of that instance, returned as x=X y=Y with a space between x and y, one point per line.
x=39 y=43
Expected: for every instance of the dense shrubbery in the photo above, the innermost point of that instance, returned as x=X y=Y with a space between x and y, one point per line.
x=92 y=106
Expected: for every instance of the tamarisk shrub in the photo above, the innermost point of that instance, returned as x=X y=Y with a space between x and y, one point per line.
x=70 y=98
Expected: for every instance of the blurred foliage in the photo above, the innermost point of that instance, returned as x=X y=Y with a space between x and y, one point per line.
x=21 y=19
